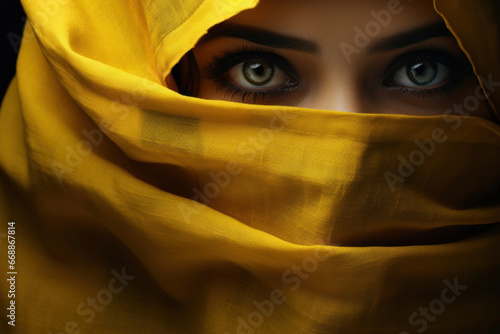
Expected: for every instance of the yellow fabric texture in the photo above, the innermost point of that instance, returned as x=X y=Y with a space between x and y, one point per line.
x=305 y=221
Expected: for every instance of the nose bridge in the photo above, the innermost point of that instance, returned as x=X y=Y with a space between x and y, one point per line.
x=337 y=92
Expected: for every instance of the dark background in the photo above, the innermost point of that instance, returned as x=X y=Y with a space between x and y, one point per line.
x=12 y=22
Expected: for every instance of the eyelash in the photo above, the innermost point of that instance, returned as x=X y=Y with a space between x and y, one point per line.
x=217 y=69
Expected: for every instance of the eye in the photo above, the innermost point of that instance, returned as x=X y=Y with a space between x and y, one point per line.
x=426 y=72
x=252 y=75
x=421 y=73
x=427 y=75
x=259 y=73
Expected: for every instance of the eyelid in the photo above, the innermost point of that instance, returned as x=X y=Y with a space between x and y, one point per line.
x=221 y=64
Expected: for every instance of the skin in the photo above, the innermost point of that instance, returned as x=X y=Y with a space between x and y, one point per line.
x=326 y=79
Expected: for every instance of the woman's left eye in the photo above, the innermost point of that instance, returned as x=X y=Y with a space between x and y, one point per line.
x=421 y=73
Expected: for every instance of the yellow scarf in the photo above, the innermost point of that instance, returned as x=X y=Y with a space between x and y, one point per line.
x=303 y=221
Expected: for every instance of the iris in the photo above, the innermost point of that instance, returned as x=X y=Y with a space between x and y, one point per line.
x=258 y=72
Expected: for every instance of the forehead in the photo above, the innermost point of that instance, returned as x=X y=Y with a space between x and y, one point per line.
x=328 y=21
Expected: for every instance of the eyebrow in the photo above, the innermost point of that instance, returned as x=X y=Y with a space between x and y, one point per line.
x=260 y=36
x=414 y=36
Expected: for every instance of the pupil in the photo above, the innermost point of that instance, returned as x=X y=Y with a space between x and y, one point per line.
x=422 y=73
x=258 y=69
x=258 y=73
x=420 y=69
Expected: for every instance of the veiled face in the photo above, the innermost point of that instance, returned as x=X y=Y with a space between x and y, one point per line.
x=364 y=56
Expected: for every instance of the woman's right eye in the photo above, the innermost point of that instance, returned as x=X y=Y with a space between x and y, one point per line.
x=253 y=76
x=257 y=74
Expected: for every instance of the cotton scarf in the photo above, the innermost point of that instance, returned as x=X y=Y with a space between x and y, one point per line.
x=139 y=210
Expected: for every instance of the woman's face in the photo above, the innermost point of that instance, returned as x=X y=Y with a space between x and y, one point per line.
x=364 y=56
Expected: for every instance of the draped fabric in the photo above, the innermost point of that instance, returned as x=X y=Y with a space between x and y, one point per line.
x=139 y=210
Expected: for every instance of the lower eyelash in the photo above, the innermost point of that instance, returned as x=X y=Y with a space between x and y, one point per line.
x=231 y=92
x=422 y=95
x=429 y=94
